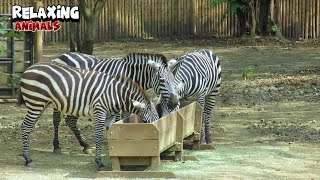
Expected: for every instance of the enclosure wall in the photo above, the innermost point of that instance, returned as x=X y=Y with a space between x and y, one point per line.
x=123 y=19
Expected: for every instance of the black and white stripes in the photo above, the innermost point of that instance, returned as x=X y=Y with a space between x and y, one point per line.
x=78 y=92
x=198 y=77
x=148 y=70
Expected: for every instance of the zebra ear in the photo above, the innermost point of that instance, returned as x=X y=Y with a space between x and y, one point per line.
x=171 y=63
x=154 y=64
x=138 y=104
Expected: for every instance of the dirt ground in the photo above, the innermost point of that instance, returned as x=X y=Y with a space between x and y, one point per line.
x=266 y=127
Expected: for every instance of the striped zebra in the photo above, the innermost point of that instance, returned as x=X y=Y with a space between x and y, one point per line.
x=148 y=70
x=79 y=93
x=198 y=77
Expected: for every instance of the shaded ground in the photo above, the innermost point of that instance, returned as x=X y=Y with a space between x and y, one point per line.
x=265 y=127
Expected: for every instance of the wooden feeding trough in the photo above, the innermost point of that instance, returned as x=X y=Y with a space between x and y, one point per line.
x=141 y=143
x=134 y=143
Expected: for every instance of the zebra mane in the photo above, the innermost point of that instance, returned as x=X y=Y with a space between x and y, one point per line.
x=158 y=57
x=134 y=85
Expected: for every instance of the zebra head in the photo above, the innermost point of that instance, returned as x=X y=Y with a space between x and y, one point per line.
x=162 y=106
x=164 y=82
x=146 y=111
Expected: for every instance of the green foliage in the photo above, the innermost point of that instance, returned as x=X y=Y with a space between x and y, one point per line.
x=274 y=28
x=235 y=5
x=14 y=78
x=248 y=72
x=4 y=32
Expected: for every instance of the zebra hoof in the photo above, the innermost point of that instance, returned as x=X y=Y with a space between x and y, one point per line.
x=31 y=165
x=87 y=151
x=57 y=151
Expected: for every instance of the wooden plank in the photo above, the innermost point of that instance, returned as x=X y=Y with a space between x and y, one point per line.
x=165 y=123
x=167 y=138
x=132 y=19
x=135 y=174
x=8 y=100
x=313 y=19
x=115 y=19
x=301 y=20
x=115 y=164
x=183 y=158
x=297 y=21
x=147 y=17
x=197 y=126
x=142 y=19
x=133 y=131
x=155 y=163
x=170 y=16
x=123 y=148
x=206 y=147
x=318 y=19
x=187 y=113
x=135 y=161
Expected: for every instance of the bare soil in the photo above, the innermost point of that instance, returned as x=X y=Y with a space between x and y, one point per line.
x=266 y=127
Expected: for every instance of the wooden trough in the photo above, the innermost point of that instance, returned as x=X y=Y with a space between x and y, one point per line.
x=134 y=143
x=141 y=144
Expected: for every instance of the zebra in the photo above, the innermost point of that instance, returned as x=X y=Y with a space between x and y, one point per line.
x=146 y=69
x=79 y=93
x=197 y=77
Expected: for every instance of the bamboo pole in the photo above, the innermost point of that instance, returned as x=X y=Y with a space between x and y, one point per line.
x=318 y=19
x=38 y=41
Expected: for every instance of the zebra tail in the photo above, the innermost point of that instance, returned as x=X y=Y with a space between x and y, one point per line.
x=21 y=101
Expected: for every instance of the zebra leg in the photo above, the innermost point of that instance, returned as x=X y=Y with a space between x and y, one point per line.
x=71 y=122
x=56 y=123
x=100 y=118
x=27 y=126
x=207 y=112
x=201 y=101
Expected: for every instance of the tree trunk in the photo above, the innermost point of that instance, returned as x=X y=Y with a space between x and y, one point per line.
x=264 y=18
x=275 y=18
x=91 y=18
x=78 y=37
x=242 y=22
x=90 y=35
x=72 y=37
x=72 y=32
x=252 y=16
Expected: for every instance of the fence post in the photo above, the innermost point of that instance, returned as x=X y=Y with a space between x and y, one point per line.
x=37 y=37
x=194 y=17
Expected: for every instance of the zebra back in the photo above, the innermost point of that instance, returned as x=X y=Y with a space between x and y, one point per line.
x=199 y=70
x=148 y=70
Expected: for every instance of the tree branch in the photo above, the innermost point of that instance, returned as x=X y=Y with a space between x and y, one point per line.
x=84 y=10
x=98 y=7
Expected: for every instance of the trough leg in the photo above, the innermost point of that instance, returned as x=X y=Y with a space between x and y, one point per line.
x=155 y=163
x=178 y=156
x=201 y=101
x=197 y=127
x=115 y=164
